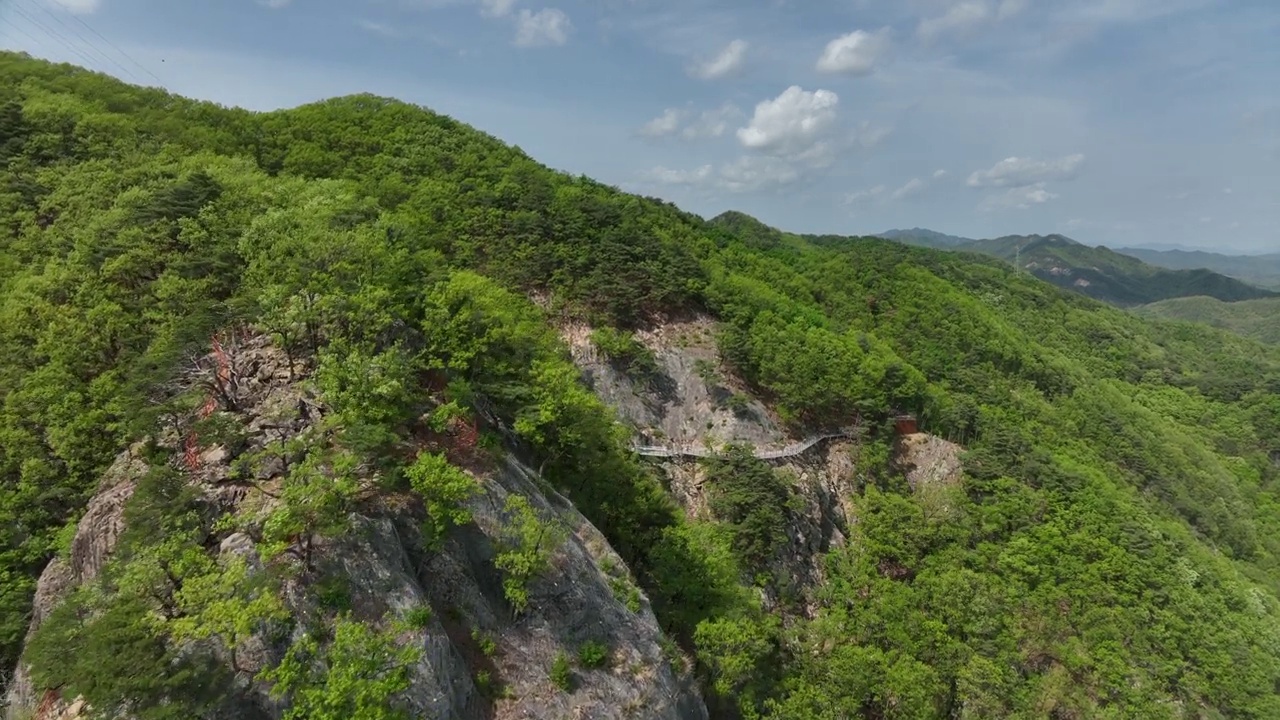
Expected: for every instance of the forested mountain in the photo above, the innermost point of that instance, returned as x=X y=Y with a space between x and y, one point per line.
x=1257 y=319
x=925 y=238
x=1099 y=272
x=291 y=428
x=1262 y=270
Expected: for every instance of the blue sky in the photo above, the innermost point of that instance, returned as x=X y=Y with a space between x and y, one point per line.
x=1113 y=121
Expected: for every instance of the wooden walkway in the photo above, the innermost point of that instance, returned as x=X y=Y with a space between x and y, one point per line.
x=658 y=451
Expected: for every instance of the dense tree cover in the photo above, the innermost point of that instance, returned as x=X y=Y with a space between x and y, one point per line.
x=1112 y=551
x=1257 y=319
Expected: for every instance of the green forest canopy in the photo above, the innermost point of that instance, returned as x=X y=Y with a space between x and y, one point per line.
x=1114 y=550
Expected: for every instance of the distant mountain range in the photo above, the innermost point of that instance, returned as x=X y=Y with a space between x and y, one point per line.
x=1099 y=272
x=927 y=238
x=1261 y=270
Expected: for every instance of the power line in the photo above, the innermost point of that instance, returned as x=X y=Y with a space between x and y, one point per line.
x=113 y=46
x=19 y=28
x=54 y=36
x=84 y=40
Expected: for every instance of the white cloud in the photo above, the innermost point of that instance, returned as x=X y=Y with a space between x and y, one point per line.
x=1009 y=8
x=726 y=62
x=965 y=16
x=668 y=176
x=543 y=28
x=711 y=123
x=1018 y=172
x=792 y=123
x=1126 y=11
x=378 y=28
x=273 y=4
x=750 y=173
x=496 y=8
x=1019 y=198
x=914 y=186
x=855 y=53
x=665 y=124
x=746 y=174
x=707 y=124
x=861 y=196
x=868 y=136
x=939 y=174
x=960 y=18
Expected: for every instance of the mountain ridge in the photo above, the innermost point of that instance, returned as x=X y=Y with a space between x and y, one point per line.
x=378 y=378
x=1099 y=271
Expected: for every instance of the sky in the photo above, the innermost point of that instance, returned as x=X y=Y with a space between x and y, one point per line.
x=1117 y=122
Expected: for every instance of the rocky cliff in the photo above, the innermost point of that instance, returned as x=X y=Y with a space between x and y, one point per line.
x=478 y=658
x=693 y=400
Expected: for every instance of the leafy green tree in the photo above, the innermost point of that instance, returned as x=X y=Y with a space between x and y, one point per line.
x=359 y=675
x=444 y=490
x=525 y=548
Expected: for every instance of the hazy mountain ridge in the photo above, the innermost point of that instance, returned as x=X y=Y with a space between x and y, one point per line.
x=1098 y=271
x=1262 y=270
x=925 y=237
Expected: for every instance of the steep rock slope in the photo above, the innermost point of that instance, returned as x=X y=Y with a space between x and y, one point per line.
x=478 y=658
x=691 y=401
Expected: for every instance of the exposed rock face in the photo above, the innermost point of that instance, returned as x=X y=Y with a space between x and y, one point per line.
x=690 y=413
x=929 y=460
x=681 y=408
x=95 y=538
x=387 y=569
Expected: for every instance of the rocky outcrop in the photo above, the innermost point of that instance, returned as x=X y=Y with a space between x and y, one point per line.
x=683 y=417
x=929 y=460
x=679 y=408
x=94 y=540
x=478 y=658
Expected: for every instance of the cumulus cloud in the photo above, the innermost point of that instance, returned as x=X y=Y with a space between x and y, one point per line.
x=668 y=176
x=496 y=8
x=711 y=123
x=665 y=124
x=960 y=18
x=1016 y=172
x=939 y=174
x=881 y=195
x=854 y=53
x=914 y=186
x=966 y=16
x=725 y=63
x=750 y=173
x=378 y=28
x=868 y=136
x=1018 y=197
x=861 y=196
x=544 y=28
x=792 y=123
x=691 y=126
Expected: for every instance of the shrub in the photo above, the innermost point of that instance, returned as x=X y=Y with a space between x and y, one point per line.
x=561 y=672
x=592 y=655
